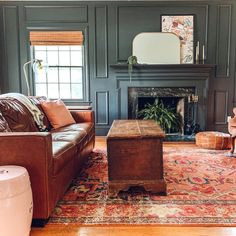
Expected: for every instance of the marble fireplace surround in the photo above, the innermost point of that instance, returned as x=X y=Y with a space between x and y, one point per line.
x=195 y=76
x=178 y=98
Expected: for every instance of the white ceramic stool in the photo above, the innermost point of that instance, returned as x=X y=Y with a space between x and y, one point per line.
x=16 y=203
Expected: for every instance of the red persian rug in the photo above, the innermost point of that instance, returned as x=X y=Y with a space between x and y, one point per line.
x=201 y=190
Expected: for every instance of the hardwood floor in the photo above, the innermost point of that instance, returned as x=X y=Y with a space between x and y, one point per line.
x=133 y=231
x=68 y=230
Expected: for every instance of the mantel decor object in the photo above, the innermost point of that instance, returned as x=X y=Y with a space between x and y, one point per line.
x=200 y=56
x=197 y=53
x=132 y=60
x=183 y=27
x=157 y=48
x=203 y=54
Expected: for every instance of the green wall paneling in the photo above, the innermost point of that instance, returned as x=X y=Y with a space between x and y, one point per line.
x=101 y=45
x=110 y=28
x=56 y=13
x=223 y=40
x=11 y=50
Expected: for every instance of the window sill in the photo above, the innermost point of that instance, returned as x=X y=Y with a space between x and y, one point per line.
x=79 y=108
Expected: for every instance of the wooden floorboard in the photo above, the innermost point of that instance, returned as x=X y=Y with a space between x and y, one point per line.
x=133 y=231
x=68 y=230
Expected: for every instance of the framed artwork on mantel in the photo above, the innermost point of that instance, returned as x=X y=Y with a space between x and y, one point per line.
x=183 y=27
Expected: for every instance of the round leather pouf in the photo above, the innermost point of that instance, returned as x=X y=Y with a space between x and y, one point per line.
x=213 y=140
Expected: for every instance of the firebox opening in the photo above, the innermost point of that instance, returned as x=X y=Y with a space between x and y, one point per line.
x=184 y=99
x=175 y=104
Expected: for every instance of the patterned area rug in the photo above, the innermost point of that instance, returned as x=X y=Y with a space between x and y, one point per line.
x=201 y=190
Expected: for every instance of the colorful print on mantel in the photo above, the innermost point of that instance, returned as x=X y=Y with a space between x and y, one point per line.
x=182 y=26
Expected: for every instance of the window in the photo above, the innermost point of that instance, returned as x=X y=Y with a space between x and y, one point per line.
x=64 y=76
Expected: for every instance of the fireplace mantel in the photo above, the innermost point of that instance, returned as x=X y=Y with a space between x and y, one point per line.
x=165 y=66
x=201 y=70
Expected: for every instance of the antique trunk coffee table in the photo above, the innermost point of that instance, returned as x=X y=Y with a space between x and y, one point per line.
x=135 y=156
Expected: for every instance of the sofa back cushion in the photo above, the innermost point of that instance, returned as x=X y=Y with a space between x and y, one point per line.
x=57 y=113
x=4 y=127
x=17 y=116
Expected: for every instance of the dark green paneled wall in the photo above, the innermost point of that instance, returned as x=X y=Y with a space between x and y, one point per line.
x=109 y=30
x=133 y=20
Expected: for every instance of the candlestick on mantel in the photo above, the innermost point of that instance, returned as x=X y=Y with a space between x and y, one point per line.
x=203 y=53
x=197 y=52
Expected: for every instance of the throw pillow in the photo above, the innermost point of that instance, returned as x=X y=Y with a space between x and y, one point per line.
x=57 y=113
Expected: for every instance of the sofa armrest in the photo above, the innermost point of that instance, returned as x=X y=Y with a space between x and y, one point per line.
x=19 y=145
x=81 y=116
x=32 y=150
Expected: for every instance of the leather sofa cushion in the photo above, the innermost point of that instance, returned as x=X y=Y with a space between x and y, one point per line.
x=76 y=133
x=90 y=130
x=78 y=127
x=17 y=116
x=63 y=153
x=74 y=137
x=4 y=127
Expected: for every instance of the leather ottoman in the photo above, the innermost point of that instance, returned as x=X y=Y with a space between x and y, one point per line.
x=213 y=140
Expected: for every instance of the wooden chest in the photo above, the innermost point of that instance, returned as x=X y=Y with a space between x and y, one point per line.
x=135 y=156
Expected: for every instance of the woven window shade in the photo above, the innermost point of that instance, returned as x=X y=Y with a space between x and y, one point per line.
x=56 y=38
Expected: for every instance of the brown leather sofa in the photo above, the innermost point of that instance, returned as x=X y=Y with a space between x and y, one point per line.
x=52 y=158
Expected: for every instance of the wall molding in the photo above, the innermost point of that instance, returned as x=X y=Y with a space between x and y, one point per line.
x=101 y=42
x=102 y=107
x=226 y=42
x=34 y=13
x=10 y=75
x=220 y=115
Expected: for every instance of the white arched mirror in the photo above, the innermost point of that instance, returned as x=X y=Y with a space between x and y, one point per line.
x=157 y=48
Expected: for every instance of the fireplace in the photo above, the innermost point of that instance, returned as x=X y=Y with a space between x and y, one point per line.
x=183 y=101
x=187 y=83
